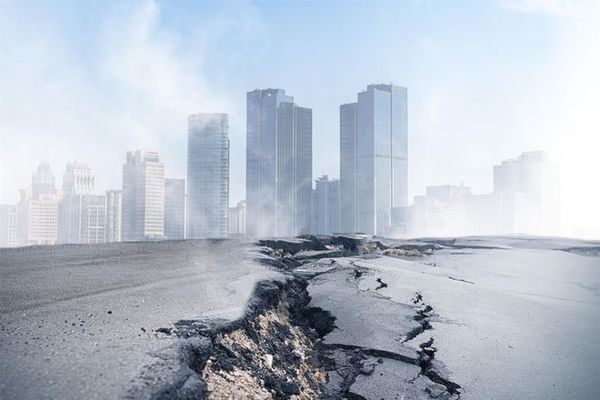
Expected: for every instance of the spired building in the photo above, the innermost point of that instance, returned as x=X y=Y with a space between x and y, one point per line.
x=278 y=165
x=373 y=159
x=175 y=208
x=81 y=214
x=143 y=201
x=208 y=175
x=114 y=199
x=37 y=210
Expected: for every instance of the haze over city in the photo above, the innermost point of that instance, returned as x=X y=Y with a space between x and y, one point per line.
x=486 y=81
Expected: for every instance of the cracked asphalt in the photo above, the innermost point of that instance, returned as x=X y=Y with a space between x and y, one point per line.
x=78 y=321
x=483 y=318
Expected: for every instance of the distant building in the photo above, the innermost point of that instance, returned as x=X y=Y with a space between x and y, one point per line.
x=525 y=200
x=114 y=199
x=326 y=206
x=373 y=159
x=37 y=210
x=143 y=201
x=530 y=190
x=81 y=214
x=207 y=175
x=43 y=181
x=442 y=211
x=237 y=220
x=174 y=208
x=8 y=225
x=278 y=164
x=78 y=179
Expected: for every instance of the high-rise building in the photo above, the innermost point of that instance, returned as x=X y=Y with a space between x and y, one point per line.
x=78 y=179
x=207 y=175
x=529 y=187
x=278 y=164
x=43 y=181
x=442 y=211
x=143 y=201
x=326 y=206
x=8 y=225
x=113 y=215
x=37 y=210
x=175 y=208
x=373 y=159
x=81 y=214
x=237 y=220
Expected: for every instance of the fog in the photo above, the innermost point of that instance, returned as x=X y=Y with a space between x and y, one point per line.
x=486 y=82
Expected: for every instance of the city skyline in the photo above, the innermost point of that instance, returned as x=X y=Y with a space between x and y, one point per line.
x=488 y=103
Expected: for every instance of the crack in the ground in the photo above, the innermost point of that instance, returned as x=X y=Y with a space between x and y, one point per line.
x=381 y=285
x=276 y=350
x=461 y=280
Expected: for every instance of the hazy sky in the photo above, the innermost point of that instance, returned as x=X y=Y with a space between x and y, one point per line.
x=486 y=80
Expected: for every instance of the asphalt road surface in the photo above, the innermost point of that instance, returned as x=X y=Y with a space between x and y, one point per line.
x=78 y=321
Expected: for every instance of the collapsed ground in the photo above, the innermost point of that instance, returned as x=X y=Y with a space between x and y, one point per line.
x=285 y=348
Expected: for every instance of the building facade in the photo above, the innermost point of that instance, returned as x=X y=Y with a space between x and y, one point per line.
x=8 y=225
x=37 y=210
x=326 y=206
x=81 y=214
x=143 y=201
x=208 y=175
x=278 y=164
x=237 y=220
x=175 y=208
x=374 y=159
x=529 y=187
x=114 y=199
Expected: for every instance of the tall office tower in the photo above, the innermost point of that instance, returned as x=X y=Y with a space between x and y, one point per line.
x=237 y=220
x=530 y=190
x=81 y=214
x=278 y=164
x=373 y=159
x=113 y=215
x=208 y=175
x=8 y=225
x=175 y=208
x=326 y=206
x=143 y=201
x=43 y=181
x=78 y=179
x=37 y=210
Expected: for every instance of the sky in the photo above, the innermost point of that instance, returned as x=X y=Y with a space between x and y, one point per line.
x=486 y=80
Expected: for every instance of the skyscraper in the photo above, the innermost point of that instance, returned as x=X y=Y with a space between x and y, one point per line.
x=8 y=225
x=237 y=220
x=175 y=208
x=208 y=175
x=78 y=179
x=373 y=158
x=326 y=206
x=529 y=188
x=114 y=209
x=143 y=202
x=278 y=164
x=81 y=214
x=37 y=210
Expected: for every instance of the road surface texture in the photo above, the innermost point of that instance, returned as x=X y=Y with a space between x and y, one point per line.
x=328 y=317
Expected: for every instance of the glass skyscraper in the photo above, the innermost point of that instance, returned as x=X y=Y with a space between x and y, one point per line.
x=373 y=159
x=208 y=175
x=143 y=197
x=278 y=164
